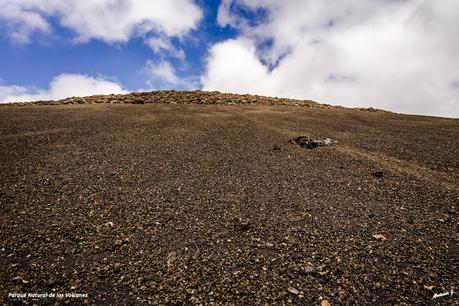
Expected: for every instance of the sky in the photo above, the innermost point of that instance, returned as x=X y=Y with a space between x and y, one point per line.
x=398 y=55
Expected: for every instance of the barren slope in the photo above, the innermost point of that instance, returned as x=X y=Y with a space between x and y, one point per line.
x=166 y=204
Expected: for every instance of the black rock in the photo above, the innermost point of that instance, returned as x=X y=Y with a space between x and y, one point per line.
x=138 y=101
x=378 y=174
x=312 y=143
x=306 y=142
x=243 y=226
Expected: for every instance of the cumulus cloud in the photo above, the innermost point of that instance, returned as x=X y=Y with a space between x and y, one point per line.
x=162 y=71
x=21 y=23
x=62 y=86
x=162 y=75
x=396 y=55
x=164 y=44
x=107 y=20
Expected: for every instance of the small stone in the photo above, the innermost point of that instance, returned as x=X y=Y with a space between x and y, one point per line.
x=244 y=225
x=379 y=237
x=293 y=290
x=70 y=250
x=325 y=302
x=309 y=270
x=171 y=258
x=276 y=147
x=19 y=280
x=52 y=281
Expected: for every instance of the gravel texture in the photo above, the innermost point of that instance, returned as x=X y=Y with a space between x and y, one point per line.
x=211 y=204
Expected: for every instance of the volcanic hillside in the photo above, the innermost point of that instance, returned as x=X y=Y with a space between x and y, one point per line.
x=206 y=198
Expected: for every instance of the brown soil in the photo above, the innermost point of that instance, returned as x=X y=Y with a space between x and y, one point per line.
x=188 y=204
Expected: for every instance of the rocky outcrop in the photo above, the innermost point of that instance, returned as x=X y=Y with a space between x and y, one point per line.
x=187 y=97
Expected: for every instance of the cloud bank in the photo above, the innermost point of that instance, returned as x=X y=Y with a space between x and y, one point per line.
x=395 y=55
x=157 y=22
x=399 y=55
x=107 y=20
x=62 y=86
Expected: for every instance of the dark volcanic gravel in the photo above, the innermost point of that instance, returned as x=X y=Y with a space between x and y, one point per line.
x=211 y=204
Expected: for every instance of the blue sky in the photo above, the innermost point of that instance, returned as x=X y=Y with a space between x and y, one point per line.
x=395 y=55
x=37 y=62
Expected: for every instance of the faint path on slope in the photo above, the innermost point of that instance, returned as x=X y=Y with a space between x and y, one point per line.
x=35 y=133
x=382 y=160
x=402 y=166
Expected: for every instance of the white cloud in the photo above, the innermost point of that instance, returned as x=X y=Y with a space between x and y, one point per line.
x=397 y=55
x=62 y=86
x=21 y=23
x=163 y=44
x=161 y=71
x=107 y=20
x=233 y=66
x=162 y=75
